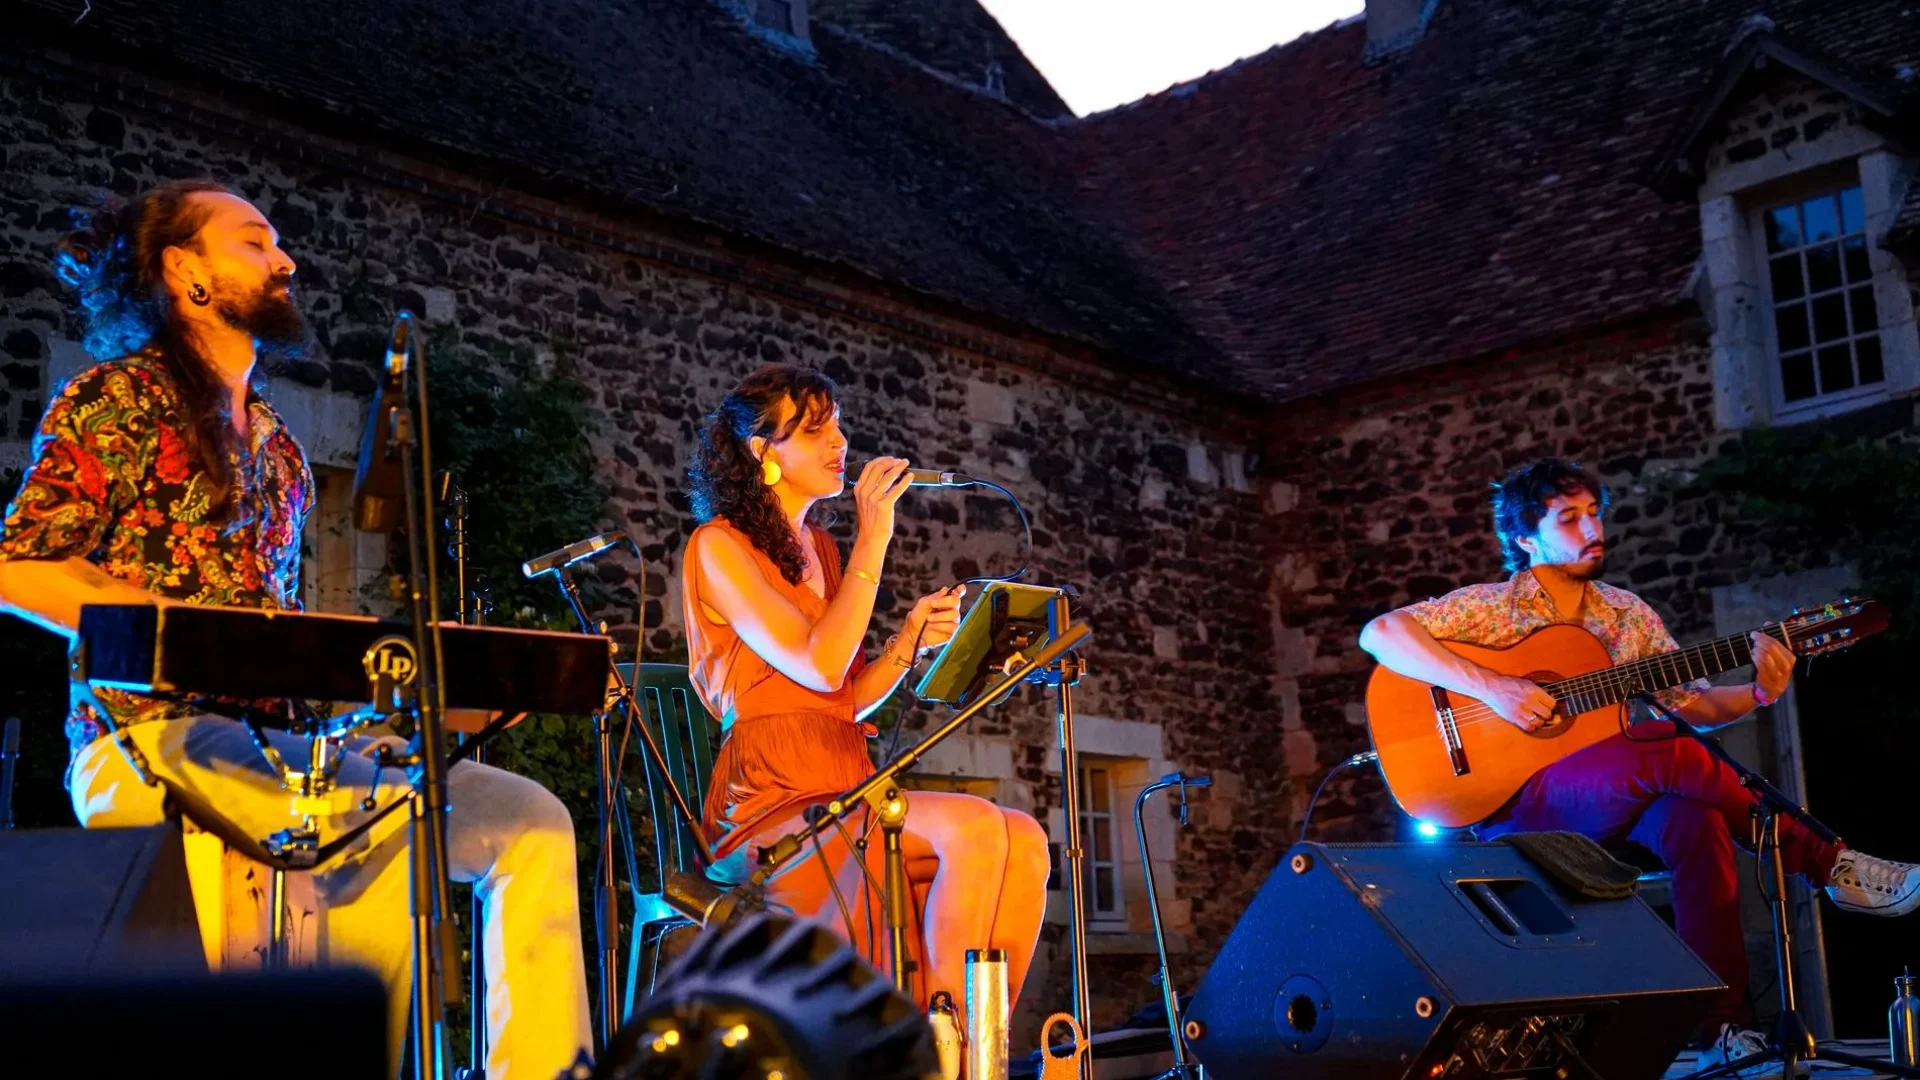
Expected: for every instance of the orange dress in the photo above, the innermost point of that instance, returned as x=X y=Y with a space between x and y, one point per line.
x=783 y=746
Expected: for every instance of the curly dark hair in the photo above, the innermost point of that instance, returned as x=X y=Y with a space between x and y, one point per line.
x=113 y=260
x=725 y=474
x=1520 y=500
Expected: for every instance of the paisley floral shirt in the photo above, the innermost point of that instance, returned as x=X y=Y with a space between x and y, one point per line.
x=1500 y=613
x=113 y=481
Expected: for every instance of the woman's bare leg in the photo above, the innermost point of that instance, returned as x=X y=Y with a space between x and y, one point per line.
x=1023 y=897
x=965 y=839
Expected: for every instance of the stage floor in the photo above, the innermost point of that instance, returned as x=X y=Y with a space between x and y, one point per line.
x=1684 y=1066
x=1135 y=1057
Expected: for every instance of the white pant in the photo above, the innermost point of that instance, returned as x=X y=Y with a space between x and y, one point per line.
x=506 y=833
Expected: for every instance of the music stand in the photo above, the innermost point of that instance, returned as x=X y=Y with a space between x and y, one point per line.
x=1041 y=653
x=1006 y=623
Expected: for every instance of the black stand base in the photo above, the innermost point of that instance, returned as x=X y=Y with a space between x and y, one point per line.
x=1792 y=1042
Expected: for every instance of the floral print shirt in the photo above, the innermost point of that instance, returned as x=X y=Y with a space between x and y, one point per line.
x=113 y=480
x=1497 y=614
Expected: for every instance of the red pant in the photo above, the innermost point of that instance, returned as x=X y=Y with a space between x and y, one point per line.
x=1677 y=800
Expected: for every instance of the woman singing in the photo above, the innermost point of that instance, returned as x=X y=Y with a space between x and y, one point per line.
x=774 y=633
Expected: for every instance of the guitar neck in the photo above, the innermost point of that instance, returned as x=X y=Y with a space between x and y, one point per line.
x=1611 y=686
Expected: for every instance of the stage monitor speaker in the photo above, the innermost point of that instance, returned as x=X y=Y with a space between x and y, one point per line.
x=326 y=1024
x=96 y=900
x=1435 y=961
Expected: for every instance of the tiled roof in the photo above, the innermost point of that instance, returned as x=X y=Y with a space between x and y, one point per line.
x=958 y=37
x=1325 y=222
x=1297 y=222
x=673 y=107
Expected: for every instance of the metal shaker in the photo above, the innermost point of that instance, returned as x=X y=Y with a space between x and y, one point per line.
x=1903 y=1022
x=987 y=1014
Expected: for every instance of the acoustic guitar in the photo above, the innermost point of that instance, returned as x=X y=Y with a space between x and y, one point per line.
x=1451 y=760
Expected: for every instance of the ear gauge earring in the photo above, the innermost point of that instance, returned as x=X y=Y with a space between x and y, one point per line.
x=769 y=473
x=198 y=294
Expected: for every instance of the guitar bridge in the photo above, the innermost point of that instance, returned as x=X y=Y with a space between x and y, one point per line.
x=1450 y=732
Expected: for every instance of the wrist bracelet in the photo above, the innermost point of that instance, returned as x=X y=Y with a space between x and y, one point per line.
x=1760 y=697
x=859 y=573
x=888 y=651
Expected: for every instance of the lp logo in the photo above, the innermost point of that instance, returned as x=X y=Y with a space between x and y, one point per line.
x=392 y=658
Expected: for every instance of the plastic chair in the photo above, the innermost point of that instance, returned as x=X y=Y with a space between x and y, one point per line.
x=687 y=735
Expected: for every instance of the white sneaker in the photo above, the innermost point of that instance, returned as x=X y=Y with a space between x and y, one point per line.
x=1736 y=1042
x=1874 y=886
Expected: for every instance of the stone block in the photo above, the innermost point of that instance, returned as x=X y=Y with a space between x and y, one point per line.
x=989 y=402
x=1166 y=643
x=1200 y=465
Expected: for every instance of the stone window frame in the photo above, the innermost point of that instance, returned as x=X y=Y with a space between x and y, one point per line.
x=1114 y=914
x=1738 y=296
x=1135 y=752
x=1831 y=182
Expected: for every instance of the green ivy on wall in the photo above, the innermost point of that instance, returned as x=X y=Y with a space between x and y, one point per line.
x=1857 y=499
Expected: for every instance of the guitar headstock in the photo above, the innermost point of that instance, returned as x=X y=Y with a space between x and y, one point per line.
x=1833 y=626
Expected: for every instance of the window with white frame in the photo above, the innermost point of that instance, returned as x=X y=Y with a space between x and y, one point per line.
x=1100 y=837
x=1826 y=326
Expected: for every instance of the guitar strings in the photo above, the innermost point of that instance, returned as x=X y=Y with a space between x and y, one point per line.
x=1600 y=684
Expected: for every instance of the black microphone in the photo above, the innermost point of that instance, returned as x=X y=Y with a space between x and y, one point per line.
x=572 y=553
x=926 y=477
x=377 y=497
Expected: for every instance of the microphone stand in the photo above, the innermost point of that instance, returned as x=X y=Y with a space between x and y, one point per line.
x=1183 y=1069
x=607 y=925
x=9 y=753
x=435 y=983
x=1792 y=1041
x=883 y=793
x=606 y=909
x=469 y=614
x=1063 y=677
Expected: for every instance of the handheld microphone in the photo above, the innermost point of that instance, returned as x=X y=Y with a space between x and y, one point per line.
x=572 y=553
x=377 y=498
x=925 y=477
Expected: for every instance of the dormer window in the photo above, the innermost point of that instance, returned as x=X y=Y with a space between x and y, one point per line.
x=1826 y=326
x=1803 y=276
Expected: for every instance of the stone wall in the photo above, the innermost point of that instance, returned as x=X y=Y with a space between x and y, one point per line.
x=1789 y=114
x=1148 y=511
x=1383 y=499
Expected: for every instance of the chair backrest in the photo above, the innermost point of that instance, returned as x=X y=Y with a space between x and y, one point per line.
x=687 y=735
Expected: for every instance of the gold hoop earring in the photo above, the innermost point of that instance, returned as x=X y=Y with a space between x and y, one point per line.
x=769 y=473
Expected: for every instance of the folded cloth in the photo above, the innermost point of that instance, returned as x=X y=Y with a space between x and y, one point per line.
x=1578 y=863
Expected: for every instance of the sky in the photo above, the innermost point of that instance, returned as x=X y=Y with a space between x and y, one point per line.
x=1103 y=53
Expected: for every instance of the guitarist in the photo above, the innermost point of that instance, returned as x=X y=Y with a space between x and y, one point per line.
x=1666 y=794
